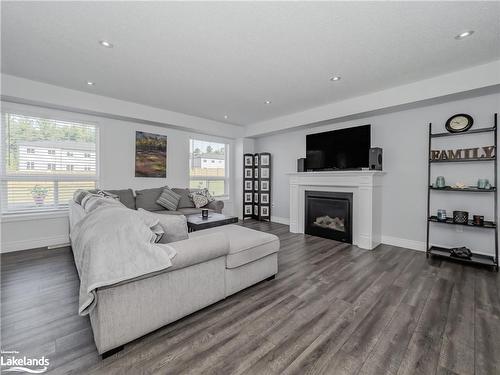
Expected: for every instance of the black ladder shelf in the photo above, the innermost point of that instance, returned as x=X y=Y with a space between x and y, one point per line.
x=478 y=259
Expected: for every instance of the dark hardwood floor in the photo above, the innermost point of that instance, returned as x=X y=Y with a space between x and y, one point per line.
x=333 y=309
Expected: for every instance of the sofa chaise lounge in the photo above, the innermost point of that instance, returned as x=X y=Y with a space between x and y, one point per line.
x=209 y=266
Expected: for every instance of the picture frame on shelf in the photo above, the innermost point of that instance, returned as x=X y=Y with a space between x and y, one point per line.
x=264 y=159
x=248 y=161
x=264 y=198
x=264 y=172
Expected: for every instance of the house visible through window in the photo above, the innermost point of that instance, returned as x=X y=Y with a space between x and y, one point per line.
x=208 y=167
x=42 y=162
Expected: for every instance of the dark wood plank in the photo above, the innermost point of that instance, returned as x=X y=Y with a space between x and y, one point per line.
x=332 y=309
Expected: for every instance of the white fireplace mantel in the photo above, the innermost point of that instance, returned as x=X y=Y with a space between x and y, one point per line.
x=366 y=188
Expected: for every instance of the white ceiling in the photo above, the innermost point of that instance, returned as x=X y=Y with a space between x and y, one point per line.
x=215 y=58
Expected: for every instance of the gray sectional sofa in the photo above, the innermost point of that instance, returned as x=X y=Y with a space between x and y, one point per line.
x=209 y=266
x=146 y=199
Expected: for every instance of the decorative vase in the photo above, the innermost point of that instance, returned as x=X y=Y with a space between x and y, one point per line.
x=441 y=215
x=478 y=220
x=440 y=182
x=482 y=183
x=460 y=217
x=39 y=200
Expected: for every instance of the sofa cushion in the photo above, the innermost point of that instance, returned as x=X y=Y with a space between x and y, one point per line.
x=126 y=197
x=185 y=201
x=168 y=199
x=168 y=212
x=245 y=245
x=147 y=199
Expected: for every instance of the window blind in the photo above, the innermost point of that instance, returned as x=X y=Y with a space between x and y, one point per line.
x=44 y=161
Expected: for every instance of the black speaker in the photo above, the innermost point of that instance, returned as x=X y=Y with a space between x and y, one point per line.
x=376 y=158
x=301 y=165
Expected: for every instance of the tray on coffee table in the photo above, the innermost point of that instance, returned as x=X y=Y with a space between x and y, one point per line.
x=196 y=222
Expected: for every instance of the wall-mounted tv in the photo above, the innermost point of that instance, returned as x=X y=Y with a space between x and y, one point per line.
x=339 y=149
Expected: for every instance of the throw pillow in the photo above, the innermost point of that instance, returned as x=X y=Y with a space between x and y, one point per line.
x=107 y=194
x=199 y=200
x=147 y=199
x=203 y=192
x=79 y=195
x=169 y=199
x=174 y=226
x=185 y=201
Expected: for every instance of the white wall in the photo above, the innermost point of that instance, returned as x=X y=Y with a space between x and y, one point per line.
x=403 y=137
x=116 y=164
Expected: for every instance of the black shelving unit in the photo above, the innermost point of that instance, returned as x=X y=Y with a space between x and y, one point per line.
x=257 y=186
x=478 y=259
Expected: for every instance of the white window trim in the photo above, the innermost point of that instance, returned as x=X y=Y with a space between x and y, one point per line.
x=61 y=211
x=227 y=166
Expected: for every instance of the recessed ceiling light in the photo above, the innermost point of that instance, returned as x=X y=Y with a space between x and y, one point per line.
x=267 y=102
x=335 y=78
x=226 y=117
x=90 y=83
x=465 y=34
x=106 y=44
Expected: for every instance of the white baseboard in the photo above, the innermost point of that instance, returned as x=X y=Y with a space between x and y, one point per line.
x=403 y=242
x=54 y=241
x=281 y=220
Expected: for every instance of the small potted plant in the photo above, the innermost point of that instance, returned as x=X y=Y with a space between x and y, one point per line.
x=39 y=193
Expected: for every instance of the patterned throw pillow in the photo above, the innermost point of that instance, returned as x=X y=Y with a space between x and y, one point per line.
x=169 y=199
x=206 y=194
x=199 y=200
x=107 y=194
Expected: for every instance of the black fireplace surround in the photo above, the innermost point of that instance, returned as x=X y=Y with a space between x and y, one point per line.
x=329 y=215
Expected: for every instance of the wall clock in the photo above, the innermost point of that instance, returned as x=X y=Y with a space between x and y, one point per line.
x=459 y=123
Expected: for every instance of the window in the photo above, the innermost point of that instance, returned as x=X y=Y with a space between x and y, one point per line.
x=30 y=150
x=203 y=174
x=48 y=180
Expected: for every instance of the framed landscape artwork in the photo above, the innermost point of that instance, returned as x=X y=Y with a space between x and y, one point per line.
x=150 y=155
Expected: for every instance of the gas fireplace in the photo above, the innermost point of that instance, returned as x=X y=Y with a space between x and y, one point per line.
x=329 y=215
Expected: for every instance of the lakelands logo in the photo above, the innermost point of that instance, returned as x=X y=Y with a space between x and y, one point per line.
x=11 y=361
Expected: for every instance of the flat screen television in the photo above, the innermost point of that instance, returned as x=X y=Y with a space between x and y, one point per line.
x=339 y=149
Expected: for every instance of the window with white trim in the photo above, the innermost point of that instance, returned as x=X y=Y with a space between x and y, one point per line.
x=40 y=168
x=208 y=167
